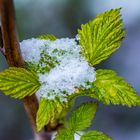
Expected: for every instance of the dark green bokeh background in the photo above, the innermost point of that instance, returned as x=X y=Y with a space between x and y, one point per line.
x=62 y=18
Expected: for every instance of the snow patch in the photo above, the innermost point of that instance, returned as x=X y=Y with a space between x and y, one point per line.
x=65 y=68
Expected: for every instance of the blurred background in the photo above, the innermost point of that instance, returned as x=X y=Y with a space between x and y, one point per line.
x=62 y=18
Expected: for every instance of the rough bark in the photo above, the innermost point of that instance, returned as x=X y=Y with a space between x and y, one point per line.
x=9 y=45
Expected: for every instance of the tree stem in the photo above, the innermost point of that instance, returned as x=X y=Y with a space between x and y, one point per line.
x=12 y=52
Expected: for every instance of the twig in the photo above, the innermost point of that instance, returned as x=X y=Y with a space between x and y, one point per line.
x=12 y=51
x=10 y=43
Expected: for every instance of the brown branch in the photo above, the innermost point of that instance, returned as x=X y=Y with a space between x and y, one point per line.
x=10 y=39
x=12 y=50
x=10 y=43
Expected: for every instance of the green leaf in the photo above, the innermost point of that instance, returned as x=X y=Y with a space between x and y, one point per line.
x=81 y=118
x=65 y=135
x=94 y=135
x=48 y=111
x=18 y=82
x=48 y=37
x=102 y=36
x=45 y=111
x=110 y=88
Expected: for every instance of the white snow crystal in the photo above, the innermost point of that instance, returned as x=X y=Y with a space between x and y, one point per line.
x=69 y=72
x=31 y=49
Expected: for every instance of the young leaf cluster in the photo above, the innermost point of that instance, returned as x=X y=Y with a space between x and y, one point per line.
x=81 y=119
x=99 y=38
